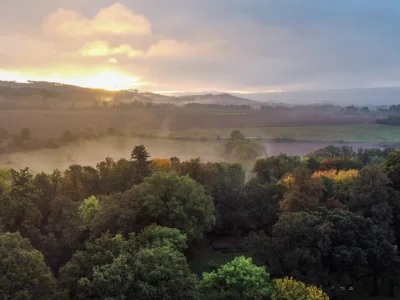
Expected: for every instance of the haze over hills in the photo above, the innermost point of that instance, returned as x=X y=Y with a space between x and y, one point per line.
x=357 y=97
x=66 y=95
x=61 y=94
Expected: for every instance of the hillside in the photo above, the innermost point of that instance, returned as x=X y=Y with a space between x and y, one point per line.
x=54 y=95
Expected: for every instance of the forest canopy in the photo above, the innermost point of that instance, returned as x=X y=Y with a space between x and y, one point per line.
x=314 y=227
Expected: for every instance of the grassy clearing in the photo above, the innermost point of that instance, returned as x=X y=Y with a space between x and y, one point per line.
x=364 y=133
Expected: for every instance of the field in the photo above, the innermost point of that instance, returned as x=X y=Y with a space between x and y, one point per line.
x=51 y=123
x=303 y=126
x=310 y=129
x=360 y=133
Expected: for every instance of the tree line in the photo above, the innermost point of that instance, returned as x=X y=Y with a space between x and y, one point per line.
x=126 y=229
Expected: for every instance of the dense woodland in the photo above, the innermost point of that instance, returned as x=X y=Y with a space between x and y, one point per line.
x=311 y=227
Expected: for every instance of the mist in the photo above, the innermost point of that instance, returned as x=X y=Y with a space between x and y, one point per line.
x=92 y=152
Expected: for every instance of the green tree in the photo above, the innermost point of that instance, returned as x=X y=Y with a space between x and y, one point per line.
x=225 y=188
x=168 y=200
x=20 y=208
x=392 y=170
x=24 y=274
x=104 y=270
x=238 y=280
x=329 y=248
x=273 y=168
x=154 y=236
x=360 y=249
x=5 y=181
x=78 y=183
x=116 y=268
x=259 y=205
x=47 y=184
x=162 y=273
x=116 y=176
x=370 y=197
x=62 y=233
x=243 y=149
x=88 y=210
x=203 y=173
x=106 y=219
x=300 y=242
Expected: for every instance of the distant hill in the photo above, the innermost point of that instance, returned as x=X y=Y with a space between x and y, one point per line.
x=49 y=94
x=222 y=99
x=357 y=97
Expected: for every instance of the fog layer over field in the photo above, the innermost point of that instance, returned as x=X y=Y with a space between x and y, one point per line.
x=92 y=152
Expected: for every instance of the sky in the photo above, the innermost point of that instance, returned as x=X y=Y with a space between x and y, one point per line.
x=168 y=46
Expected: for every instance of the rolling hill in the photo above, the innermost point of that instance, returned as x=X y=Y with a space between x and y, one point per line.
x=54 y=95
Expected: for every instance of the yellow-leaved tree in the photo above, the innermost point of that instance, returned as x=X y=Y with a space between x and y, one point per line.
x=290 y=289
x=160 y=164
x=340 y=182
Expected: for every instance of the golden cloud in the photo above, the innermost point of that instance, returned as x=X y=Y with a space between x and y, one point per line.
x=112 y=60
x=100 y=48
x=163 y=48
x=116 y=19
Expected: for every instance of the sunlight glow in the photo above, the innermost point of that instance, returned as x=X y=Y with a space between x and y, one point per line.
x=107 y=80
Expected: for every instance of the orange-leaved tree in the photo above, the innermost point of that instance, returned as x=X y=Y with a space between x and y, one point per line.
x=160 y=164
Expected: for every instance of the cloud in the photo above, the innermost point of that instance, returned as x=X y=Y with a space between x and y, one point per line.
x=101 y=48
x=210 y=44
x=167 y=49
x=112 y=60
x=116 y=19
x=173 y=48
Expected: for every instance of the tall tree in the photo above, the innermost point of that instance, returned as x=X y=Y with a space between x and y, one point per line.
x=143 y=166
